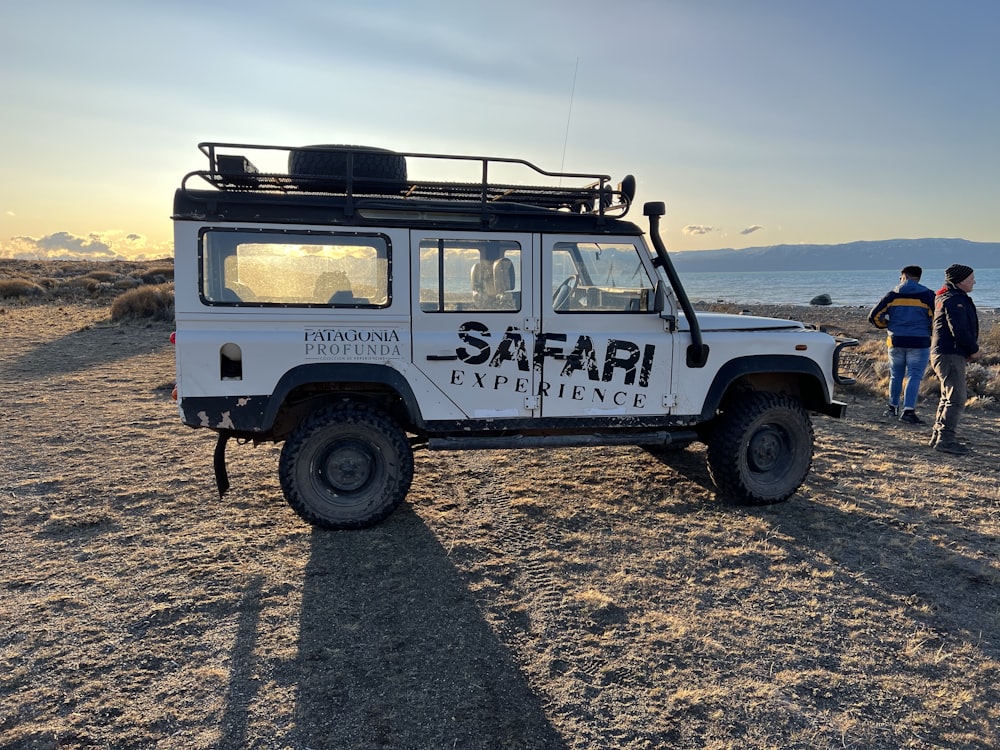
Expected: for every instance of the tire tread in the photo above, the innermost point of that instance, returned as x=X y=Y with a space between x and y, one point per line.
x=725 y=453
x=396 y=485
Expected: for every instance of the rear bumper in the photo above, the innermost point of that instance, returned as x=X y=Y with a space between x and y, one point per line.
x=233 y=414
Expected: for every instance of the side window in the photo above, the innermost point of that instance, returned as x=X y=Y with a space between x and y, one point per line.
x=459 y=275
x=599 y=277
x=287 y=269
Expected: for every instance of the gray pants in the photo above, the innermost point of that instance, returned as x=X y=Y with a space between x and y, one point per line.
x=950 y=369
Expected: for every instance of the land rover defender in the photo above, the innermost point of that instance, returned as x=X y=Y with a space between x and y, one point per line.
x=329 y=299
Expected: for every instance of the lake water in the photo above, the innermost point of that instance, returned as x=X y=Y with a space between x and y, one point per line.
x=846 y=288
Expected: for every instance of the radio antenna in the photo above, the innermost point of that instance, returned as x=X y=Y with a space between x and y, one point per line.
x=569 y=116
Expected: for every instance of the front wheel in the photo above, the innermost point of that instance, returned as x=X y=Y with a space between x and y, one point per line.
x=761 y=448
x=346 y=467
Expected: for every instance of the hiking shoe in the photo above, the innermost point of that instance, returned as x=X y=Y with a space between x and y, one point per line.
x=909 y=416
x=953 y=447
x=891 y=411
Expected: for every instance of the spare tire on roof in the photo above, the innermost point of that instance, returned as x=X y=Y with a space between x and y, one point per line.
x=375 y=170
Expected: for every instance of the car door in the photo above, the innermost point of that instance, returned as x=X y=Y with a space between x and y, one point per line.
x=472 y=323
x=602 y=350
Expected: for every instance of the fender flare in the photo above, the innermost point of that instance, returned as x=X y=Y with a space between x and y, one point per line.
x=777 y=364
x=332 y=372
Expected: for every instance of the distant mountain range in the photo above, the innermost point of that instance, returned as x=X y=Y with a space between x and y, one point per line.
x=853 y=256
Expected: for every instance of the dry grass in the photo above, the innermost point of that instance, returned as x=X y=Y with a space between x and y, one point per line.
x=523 y=599
x=17 y=288
x=152 y=302
x=870 y=359
x=158 y=273
x=77 y=281
x=103 y=276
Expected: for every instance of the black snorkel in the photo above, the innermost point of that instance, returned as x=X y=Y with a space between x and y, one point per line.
x=697 y=352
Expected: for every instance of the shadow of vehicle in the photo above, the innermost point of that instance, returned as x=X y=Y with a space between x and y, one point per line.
x=392 y=652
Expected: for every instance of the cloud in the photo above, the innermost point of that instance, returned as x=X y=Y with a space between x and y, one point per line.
x=751 y=229
x=10 y=213
x=107 y=245
x=697 y=229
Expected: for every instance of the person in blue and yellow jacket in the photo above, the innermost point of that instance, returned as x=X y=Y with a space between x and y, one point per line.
x=907 y=312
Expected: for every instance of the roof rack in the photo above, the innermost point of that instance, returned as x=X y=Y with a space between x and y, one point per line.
x=360 y=172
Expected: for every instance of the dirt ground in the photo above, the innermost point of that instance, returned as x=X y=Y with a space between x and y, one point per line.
x=523 y=599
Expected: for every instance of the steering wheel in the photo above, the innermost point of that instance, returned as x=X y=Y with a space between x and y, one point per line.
x=560 y=297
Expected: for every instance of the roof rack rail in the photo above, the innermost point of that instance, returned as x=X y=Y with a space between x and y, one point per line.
x=359 y=172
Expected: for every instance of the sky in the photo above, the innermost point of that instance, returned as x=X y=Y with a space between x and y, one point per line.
x=757 y=122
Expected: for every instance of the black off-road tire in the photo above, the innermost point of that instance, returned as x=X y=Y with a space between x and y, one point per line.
x=346 y=467
x=761 y=448
x=375 y=170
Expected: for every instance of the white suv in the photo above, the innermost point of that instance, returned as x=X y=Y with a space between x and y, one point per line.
x=335 y=303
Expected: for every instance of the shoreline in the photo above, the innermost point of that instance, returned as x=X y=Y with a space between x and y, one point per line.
x=853 y=318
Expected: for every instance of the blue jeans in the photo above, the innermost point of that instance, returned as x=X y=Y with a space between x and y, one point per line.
x=909 y=363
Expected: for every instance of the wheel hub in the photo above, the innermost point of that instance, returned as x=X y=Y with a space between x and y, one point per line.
x=766 y=450
x=348 y=467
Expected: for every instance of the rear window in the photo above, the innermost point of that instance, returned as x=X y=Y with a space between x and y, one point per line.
x=263 y=268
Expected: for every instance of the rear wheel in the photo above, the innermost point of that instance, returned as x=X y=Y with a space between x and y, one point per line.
x=761 y=448
x=346 y=467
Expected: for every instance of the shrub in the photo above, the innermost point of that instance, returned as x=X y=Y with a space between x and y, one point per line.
x=980 y=402
x=158 y=274
x=127 y=282
x=20 y=288
x=78 y=283
x=105 y=276
x=992 y=386
x=155 y=302
x=989 y=342
x=867 y=363
x=983 y=380
x=977 y=376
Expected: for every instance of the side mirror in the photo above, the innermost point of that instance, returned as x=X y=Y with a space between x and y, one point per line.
x=659 y=293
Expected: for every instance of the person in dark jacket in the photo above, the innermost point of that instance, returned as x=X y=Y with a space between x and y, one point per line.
x=906 y=312
x=954 y=342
